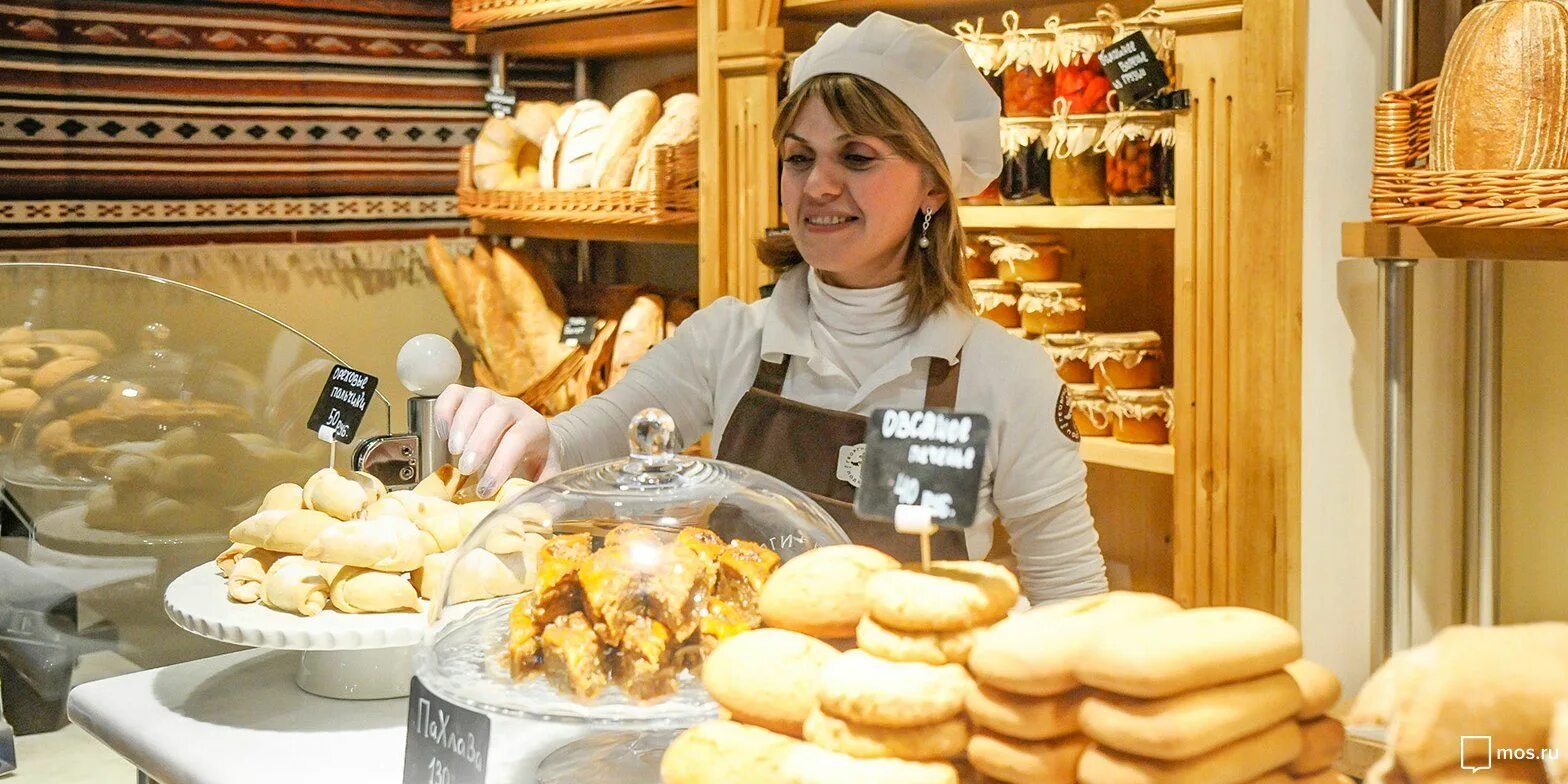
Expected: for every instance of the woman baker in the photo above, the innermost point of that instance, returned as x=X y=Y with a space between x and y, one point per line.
x=886 y=125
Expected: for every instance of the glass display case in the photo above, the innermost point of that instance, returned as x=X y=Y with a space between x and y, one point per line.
x=140 y=419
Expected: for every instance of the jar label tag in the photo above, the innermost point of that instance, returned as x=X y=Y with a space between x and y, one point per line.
x=934 y=458
x=446 y=743
x=1135 y=72
x=342 y=404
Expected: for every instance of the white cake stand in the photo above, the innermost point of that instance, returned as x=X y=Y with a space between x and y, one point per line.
x=342 y=655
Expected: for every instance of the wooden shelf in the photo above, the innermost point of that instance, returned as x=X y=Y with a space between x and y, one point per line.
x=916 y=10
x=660 y=31
x=666 y=233
x=1493 y=243
x=1154 y=216
x=1107 y=451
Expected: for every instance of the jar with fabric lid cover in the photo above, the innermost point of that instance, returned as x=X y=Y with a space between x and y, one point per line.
x=1091 y=411
x=996 y=300
x=984 y=50
x=1077 y=159
x=1127 y=360
x=1142 y=416
x=1030 y=262
x=1046 y=307
x=1027 y=61
x=1069 y=351
x=1137 y=150
x=1026 y=164
x=1080 y=81
x=1162 y=39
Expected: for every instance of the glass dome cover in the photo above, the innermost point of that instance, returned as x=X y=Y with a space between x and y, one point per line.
x=638 y=566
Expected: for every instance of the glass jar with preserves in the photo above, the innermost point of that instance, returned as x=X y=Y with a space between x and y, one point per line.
x=996 y=300
x=1026 y=168
x=1047 y=307
x=990 y=197
x=1136 y=151
x=1091 y=411
x=1127 y=360
x=1165 y=167
x=1030 y=262
x=1069 y=351
x=1077 y=162
x=984 y=50
x=981 y=266
x=1027 y=62
x=1080 y=81
x=976 y=264
x=1142 y=416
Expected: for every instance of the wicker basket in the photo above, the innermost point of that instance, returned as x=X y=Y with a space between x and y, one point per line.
x=471 y=16
x=673 y=200
x=1405 y=191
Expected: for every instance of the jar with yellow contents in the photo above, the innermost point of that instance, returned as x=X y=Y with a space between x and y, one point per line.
x=1047 y=307
x=1030 y=262
x=1069 y=352
x=996 y=300
x=1091 y=411
x=1127 y=360
x=1142 y=416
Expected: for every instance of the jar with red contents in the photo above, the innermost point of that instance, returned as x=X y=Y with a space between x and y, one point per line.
x=1137 y=147
x=1079 y=78
x=1027 y=60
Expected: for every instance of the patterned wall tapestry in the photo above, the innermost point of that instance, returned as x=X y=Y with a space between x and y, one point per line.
x=136 y=122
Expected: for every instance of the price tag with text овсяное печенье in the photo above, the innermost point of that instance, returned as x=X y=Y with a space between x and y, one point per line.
x=923 y=457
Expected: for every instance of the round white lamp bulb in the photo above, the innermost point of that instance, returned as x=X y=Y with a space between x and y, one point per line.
x=428 y=364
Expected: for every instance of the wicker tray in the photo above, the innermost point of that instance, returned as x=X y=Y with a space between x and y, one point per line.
x=1405 y=191
x=471 y=16
x=673 y=200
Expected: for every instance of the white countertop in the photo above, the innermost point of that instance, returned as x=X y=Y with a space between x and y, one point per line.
x=239 y=719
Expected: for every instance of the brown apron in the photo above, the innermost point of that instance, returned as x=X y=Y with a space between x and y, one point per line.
x=800 y=445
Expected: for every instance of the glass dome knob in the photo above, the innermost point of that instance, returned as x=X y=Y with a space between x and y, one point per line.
x=651 y=432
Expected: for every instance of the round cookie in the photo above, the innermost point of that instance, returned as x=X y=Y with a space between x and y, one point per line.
x=864 y=689
x=951 y=596
x=1021 y=762
x=808 y=764
x=768 y=677
x=940 y=741
x=724 y=752
x=924 y=647
x=1025 y=718
x=822 y=592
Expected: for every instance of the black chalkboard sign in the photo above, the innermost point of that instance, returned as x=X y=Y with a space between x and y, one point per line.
x=918 y=457
x=343 y=403
x=1136 y=74
x=579 y=330
x=447 y=744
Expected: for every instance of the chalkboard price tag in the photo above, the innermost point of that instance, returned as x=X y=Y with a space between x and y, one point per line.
x=447 y=744
x=579 y=330
x=921 y=457
x=343 y=403
x=502 y=102
x=1135 y=73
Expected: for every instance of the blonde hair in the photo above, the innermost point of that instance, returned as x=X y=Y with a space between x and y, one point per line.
x=933 y=276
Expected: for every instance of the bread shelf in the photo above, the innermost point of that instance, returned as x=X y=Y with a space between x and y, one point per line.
x=918 y=10
x=662 y=30
x=985 y=218
x=1107 y=451
x=663 y=233
x=1494 y=243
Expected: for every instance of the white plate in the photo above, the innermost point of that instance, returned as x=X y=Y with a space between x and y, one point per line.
x=66 y=529
x=199 y=602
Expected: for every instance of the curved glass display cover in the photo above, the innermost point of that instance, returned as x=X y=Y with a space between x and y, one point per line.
x=639 y=566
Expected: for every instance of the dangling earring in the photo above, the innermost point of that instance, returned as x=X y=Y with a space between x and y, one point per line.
x=925 y=227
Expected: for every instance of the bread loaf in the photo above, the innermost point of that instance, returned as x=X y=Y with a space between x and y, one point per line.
x=1187 y=725
x=1189 y=650
x=1319 y=687
x=677 y=125
x=1025 y=718
x=1024 y=762
x=1035 y=653
x=1237 y=763
x=568 y=156
x=640 y=329
x=496 y=154
x=629 y=123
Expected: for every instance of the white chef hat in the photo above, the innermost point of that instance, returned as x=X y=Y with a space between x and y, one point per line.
x=932 y=74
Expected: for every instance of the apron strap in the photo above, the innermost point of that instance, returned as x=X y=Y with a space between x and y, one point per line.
x=942 y=383
x=770 y=376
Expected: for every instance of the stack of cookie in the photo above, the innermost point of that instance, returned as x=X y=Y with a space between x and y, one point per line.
x=1322 y=737
x=1025 y=710
x=1193 y=697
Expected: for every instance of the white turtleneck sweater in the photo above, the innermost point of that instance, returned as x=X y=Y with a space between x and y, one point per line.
x=851 y=351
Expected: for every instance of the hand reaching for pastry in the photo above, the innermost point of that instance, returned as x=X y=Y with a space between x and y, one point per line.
x=491 y=433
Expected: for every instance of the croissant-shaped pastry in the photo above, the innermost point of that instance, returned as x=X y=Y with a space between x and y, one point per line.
x=385 y=544
x=248 y=572
x=387 y=507
x=255 y=529
x=287 y=497
x=357 y=590
x=416 y=505
x=231 y=556
x=294 y=584
x=510 y=489
x=442 y=527
x=471 y=515
x=330 y=571
x=480 y=575
x=443 y=483
x=516 y=530
x=337 y=495
x=297 y=530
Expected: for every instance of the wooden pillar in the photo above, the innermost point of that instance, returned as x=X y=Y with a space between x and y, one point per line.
x=1238 y=303
x=741 y=51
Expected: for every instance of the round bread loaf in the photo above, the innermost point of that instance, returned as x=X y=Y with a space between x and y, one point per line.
x=822 y=592
x=725 y=752
x=950 y=596
x=940 y=741
x=862 y=688
x=768 y=677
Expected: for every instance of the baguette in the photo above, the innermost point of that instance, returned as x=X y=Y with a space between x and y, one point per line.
x=1190 y=650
